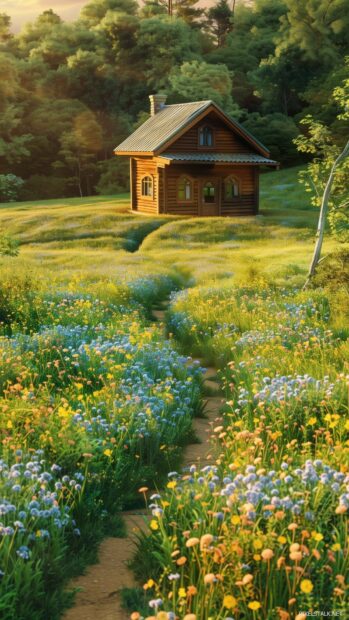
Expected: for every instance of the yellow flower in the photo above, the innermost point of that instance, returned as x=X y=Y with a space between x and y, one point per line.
x=107 y=452
x=229 y=601
x=257 y=557
x=254 y=605
x=257 y=544
x=182 y=593
x=306 y=586
x=336 y=547
x=317 y=536
x=172 y=484
x=154 y=525
x=312 y=421
x=235 y=519
x=282 y=540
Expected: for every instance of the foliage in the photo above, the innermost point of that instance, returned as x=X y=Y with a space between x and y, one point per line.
x=10 y=186
x=71 y=91
x=325 y=146
x=8 y=245
x=198 y=80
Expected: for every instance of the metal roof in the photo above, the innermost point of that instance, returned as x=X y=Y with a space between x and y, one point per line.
x=231 y=158
x=161 y=127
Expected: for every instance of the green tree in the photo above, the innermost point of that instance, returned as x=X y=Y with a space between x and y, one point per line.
x=317 y=27
x=195 y=81
x=328 y=172
x=220 y=18
x=10 y=186
x=79 y=148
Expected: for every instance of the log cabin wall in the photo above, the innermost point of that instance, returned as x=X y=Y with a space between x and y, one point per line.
x=244 y=204
x=141 y=168
x=225 y=140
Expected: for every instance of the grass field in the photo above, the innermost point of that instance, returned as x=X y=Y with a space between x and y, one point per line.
x=96 y=402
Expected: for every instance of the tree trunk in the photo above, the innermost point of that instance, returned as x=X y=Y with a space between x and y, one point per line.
x=323 y=213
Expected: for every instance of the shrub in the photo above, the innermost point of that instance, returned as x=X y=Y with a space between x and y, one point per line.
x=10 y=186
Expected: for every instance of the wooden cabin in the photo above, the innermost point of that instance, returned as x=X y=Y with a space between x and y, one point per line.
x=193 y=159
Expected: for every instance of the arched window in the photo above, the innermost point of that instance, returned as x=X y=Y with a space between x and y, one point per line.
x=206 y=136
x=231 y=188
x=185 y=189
x=209 y=192
x=147 y=186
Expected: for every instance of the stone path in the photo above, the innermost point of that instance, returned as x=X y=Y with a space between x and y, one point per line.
x=98 y=596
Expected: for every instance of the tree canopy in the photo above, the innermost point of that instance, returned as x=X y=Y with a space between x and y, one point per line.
x=69 y=92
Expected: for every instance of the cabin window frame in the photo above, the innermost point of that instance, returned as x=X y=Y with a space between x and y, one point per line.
x=185 y=177
x=201 y=128
x=151 y=195
x=215 y=194
x=235 y=182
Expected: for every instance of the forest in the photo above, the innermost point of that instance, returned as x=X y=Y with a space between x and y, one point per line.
x=69 y=92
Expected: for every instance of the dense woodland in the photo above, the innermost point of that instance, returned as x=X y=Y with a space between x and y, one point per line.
x=69 y=92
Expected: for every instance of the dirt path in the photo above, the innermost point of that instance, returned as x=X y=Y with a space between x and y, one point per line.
x=98 y=596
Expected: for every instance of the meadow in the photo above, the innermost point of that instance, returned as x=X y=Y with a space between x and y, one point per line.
x=96 y=402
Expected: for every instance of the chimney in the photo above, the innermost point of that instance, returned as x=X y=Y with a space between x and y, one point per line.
x=157 y=102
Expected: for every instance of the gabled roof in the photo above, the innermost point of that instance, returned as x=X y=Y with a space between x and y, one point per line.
x=161 y=129
x=223 y=158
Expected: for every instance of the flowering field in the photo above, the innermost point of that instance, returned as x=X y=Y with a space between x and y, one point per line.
x=262 y=532
x=94 y=402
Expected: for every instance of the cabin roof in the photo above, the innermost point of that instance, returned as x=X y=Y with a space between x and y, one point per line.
x=231 y=158
x=158 y=130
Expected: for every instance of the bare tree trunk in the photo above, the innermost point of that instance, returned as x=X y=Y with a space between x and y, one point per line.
x=323 y=213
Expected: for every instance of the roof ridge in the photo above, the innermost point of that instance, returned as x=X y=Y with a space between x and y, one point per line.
x=171 y=105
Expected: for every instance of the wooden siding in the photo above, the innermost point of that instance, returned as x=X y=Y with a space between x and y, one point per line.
x=144 y=167
x=225 y=139
x=244 y=204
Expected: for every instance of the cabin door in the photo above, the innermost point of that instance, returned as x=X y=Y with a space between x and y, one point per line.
x=209 y=197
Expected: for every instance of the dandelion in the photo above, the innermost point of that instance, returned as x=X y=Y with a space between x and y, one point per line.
x=229 y=601
x=154 y=525
x=306 y=586
x=254 y=605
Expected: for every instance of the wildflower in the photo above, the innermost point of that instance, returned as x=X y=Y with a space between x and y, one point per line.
x=267 y=554
x=154 y=525
x=192 y=542
x=108 y=452
x=182 y=593
x=235 y=520
x=257 y=544
x=209 y=579
x=229 y=601
x=317 y=536
x=182 y=560
x=192 y=590
x=301 y=616
x=205 y=541
x=254 y=605
x=189 y=617
x=135 y=616
x=247 y=579
x=306 y=586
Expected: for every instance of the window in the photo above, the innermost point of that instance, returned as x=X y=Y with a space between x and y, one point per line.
x=147 y=186
x=206 y=136
x=231 y=188
x=209 y=193
x=185 y=189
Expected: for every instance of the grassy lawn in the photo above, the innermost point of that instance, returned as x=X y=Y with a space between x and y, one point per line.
x=98 y=235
